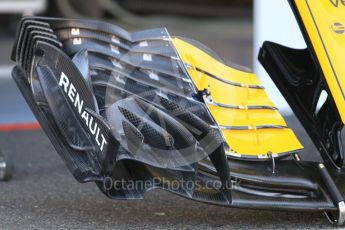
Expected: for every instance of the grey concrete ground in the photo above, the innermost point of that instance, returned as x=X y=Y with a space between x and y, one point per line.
x=43 y=195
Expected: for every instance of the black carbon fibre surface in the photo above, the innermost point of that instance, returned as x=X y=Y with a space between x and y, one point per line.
x=176 y=147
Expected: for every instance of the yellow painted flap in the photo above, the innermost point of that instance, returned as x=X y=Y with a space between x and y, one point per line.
x=251 y=124
x=324 y=21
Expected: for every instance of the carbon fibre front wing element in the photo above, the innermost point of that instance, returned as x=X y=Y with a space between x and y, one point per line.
x=130 y=108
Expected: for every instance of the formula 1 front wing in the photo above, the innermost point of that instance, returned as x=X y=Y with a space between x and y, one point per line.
x=137 y=111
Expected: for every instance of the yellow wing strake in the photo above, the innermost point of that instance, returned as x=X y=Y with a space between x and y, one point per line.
x=324 y=21
x=249 y=121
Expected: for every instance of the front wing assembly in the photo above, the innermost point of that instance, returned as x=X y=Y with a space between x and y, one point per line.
x=165 y=112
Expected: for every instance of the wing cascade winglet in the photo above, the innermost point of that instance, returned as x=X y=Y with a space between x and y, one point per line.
x=250 y=132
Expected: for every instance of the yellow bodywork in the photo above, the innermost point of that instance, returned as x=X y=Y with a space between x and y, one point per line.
x=249 y=121
x=324 y=21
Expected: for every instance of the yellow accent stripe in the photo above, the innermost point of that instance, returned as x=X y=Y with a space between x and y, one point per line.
x=248 y=119
x=324 y=21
